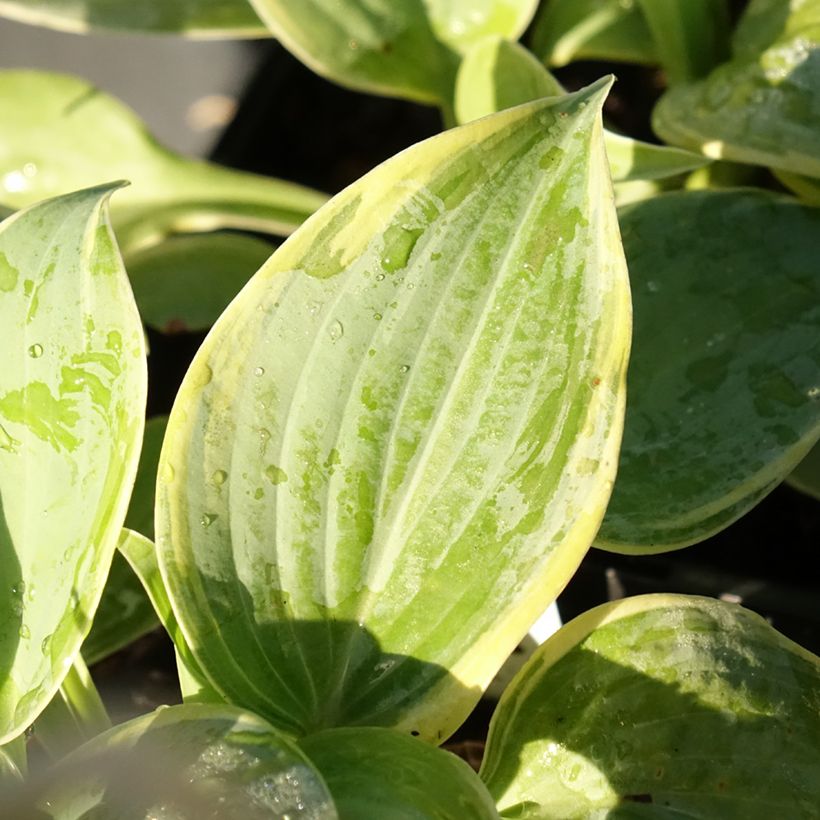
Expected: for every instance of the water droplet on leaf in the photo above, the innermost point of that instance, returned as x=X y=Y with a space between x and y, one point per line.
x=336 y=330
x=208 y=519
x=35 y=351
x=218 y=478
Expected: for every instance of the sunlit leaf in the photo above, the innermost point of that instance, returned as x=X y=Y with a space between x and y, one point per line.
x=185 y=282
x=72 y=404
x=806 y=475
x=182 y=763
x=724 y=382
x=380 y=773
x=763 y=107
x=194 y=18
x=661 y=706
x=691 y=36
x=60 y=134
x=566 y=30
x=463 y=23
x=395 y=446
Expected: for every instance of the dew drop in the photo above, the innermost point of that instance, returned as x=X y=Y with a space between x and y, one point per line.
x=259 y=371
x=35 y=351
x=24 y=632
x=314 y=308
x=218 y=478
x=45 y=645
x=336 y=331
x=264 y=435
x=405 y=368
x=652 y=286
x=208 y=519
x=380 y=277
x=276 y=475
x=377 y=317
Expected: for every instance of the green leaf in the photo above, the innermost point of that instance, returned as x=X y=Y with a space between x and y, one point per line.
x=187 y=281
x=61 y=134
x=806 y=188
x=395 y=446
x=13 y=761
x=140 y=516
x=631 y=160
x=183 y=762
x=567 y=30
x=806 y=475
x=724 y=380
x=763 y=107
x=691 y=36
x=72 y=405
x=463 y=23
x=661 y=706
x=194 y=18
x=373 y=772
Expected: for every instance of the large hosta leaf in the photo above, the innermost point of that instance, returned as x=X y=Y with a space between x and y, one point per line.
x=662 y=706
x=567 y=30
x=763 y=107
x=180 y=763
x=373 y=772
x=724 y=383
x=194 y=18
x=395 y=446
x=60 y=134
x=72 y=404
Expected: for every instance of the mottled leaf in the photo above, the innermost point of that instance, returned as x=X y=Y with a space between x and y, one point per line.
x=763 y=107
x=395 y=447
x=373 y=772
x=194 y=18
x=724 y=382
x=61 y=134
x=567 y=30
x=72 y=404
x=181 y=763
x=661 y=706
x=186 y=282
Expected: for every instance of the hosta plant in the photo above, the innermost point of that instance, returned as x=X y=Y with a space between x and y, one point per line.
x=399 y=440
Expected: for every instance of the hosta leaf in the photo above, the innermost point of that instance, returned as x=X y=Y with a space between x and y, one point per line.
x=660 y=706
x=72 y=404
x=463 y=23
x=395 y=446
x=806 y=476
x=762 y=107
x=724 y=381
x=185 y=282
x=373 y=772
x=140 y=516
x=691 y=36
x=12 y=760
x=498 y=74
x=807 y=188
x=194 y=18
x=181 y=763
x=566 y=30
x=61 y=133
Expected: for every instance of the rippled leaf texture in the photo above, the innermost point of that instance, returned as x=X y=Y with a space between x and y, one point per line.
x=61 y=134
x=660 y=706
x=763 y=107
x=395 y=446
x=373 y=772
x=405 y=48
x=182 y=763
x=497 y=74
x=567 y=30
x=72 y=404
x=194 y=18
x=187 y=281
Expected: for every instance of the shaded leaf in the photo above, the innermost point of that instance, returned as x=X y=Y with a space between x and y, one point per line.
x=181 y=762
x=660 y=706
x=186 y=282
x=373 y=772
x=194 y=18
x=763 y=107
x=61 y=134
x=724 y=382
x=395 y=446
x=807 y=188
x=72 y=404
x=806 y=475
x=140 y=516
x=567 y=30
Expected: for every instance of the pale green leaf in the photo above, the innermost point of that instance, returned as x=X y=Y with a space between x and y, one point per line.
x=186 y=282
x=395 y=446
x=691 y=36
x=763 y=107
x=567 y=30
x=661 y=706
x=72 y=405
x=379 y=773
x=724 y=382
x=180 y=763
x=806 y=476
x=60 y=134
x=194 y=18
